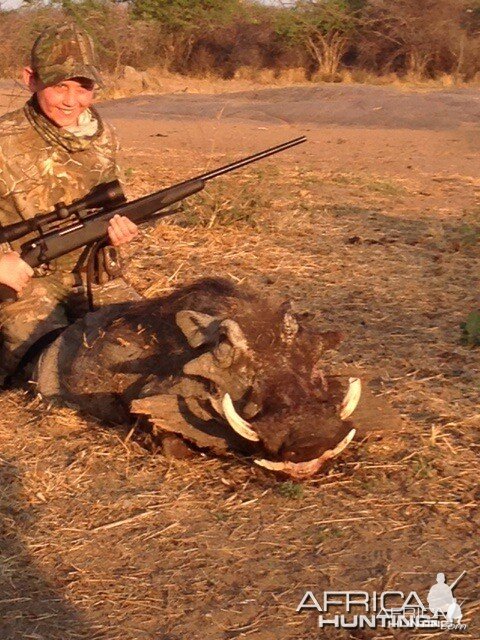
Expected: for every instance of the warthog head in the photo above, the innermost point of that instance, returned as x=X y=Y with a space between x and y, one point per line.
x=255 y=367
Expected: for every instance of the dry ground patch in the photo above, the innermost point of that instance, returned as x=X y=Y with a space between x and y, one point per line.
x=373 y=231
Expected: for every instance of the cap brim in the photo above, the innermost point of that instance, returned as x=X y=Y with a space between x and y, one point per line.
x=82 y=71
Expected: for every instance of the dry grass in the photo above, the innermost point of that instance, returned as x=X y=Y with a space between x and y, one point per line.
x=159 y=81
x=102 y=539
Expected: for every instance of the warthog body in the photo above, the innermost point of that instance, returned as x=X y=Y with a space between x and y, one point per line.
x=187 y=359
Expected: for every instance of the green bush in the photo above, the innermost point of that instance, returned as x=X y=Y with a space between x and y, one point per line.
x=471 y=329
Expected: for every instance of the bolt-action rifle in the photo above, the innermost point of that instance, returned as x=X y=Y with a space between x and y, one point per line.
x=85 y=221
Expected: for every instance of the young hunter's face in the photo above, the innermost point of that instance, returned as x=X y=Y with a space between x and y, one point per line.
x=64 y=102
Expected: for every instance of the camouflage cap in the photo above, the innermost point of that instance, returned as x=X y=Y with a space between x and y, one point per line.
x=62 y=52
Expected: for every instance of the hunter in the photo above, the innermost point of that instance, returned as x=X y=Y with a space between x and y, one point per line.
x=54 y=149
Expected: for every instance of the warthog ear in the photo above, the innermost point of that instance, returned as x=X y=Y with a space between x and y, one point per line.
x=229 y=345
x=201 y=328
x=198 y=328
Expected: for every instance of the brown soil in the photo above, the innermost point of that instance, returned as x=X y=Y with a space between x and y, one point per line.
x=372 y=226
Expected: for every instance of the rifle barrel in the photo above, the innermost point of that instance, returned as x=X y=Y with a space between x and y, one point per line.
x=92 y=227
x=253 y=158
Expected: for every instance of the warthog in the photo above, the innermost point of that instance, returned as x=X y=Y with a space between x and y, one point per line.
x=216 y=364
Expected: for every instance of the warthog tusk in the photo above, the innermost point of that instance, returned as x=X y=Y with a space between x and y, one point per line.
x=351 y=399
x=343 y=444
x=308 y=468
x=238 y=424
x=297 y=469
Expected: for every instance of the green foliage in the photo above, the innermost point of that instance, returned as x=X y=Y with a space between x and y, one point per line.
x=185 y=15
x=307 y=18
x=82 y=11
x=469 y=234
x=290 y=490
x=471 y=329
x=422 y=467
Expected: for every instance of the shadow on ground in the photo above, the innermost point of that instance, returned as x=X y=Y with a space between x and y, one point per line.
x=31 y=605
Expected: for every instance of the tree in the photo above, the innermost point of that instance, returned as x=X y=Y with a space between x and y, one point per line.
x=421 y=39
x=184 y=15
x=181 y=22
x=323 y=27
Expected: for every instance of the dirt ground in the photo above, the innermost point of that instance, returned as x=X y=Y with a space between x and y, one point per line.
x=372 y=226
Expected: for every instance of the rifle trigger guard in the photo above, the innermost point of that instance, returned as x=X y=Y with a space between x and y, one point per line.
x=40 y=244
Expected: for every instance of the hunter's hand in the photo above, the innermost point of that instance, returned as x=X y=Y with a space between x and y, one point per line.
x=14 y=272
x=121 y=230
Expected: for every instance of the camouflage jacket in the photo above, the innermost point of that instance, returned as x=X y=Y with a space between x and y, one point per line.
x=43 y=165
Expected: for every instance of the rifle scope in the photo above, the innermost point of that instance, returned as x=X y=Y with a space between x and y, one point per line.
x=107 y=196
